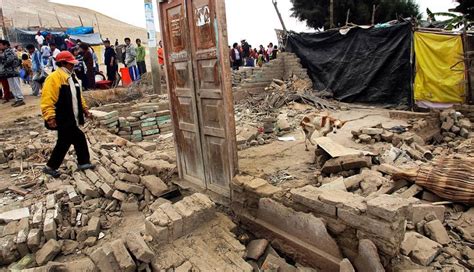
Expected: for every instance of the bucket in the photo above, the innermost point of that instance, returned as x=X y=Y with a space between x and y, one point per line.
x=126 y=79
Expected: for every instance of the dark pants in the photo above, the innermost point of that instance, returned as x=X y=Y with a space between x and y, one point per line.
x=66 y=138
x=112 y=72
x=141 y=67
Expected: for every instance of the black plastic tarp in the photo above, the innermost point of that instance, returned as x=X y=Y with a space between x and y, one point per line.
x=364 y=65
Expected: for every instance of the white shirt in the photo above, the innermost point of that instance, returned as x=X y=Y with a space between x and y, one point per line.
x=54 y=55
x=39 y=39
x=45 y=51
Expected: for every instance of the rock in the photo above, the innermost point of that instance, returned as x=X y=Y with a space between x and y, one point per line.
x=256 y=248
x=346 y=266
x=448 y=124
x=122 y=256
x=93 y=226
x=69 y=247
x=129 y=187
x=337 y=184
x=129 y=177
x=465 y=123
x=48 y=252
x=420 y=211
x=388 y=207
x=364 y=138
x=387 y=136
x=436 y=231
x=104 y=261
x=13 y=215
x=368 y=258
x=157 y=167
x=155 y=185
x=425 y=250
x=90 y=241
x=372 y=131
x=138 y=247
x=283 y=124
x=464 y=133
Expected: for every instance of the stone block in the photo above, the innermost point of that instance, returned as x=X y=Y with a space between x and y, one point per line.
x=309 y=196
x=158 y=167
x=49 y=227
x=48 y=252
x=106 y=189
x=138 y=247
x=425 y=250
x=128 y=187
x=93 y=226
x=129 y=177
x=122 y=256
x=159 y=234
x=388 y=207
x=83 y=187
x=34 y=239
x=340 y=199
x=256 y=248
x=105 y=262
x=105 y=175
x=15 y=214
x=372 y=131
x=119 y=195
x=155 y=185
x=436 y=231
x=368 y=258
x=420 y=211
x=92 y=176
x=176 y=221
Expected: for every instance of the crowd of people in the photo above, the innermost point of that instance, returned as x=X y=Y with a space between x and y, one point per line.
x=243 y=55
x=32 y=64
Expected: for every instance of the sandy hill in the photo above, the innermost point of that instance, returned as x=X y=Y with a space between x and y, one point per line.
x=24 y=13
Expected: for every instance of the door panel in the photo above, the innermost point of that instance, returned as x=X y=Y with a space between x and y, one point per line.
x=181 y=92
x=201 y=86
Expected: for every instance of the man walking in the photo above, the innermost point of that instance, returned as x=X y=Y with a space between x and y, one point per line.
x=54 y=53
x=63 y=109
x=110 y=59
x=131 y=60
x=141 y=54
x=10 y=69
x=37 y=67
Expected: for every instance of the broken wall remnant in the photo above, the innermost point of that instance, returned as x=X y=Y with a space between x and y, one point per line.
x=284 y=67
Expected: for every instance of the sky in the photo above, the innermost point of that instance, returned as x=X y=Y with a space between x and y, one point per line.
x=253 y=20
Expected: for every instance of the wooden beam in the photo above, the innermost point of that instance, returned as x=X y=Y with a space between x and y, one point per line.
x=80 y=19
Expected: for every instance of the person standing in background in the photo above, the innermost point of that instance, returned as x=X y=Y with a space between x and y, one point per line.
x=54 y=53
x=110 y=59
x=141 y=54
x=89 y=67
x=131 y=60
x=161 y=54
x=37 y=67
x=39 y=39
x=11 y=66
x=236 y=57
x=45 y=54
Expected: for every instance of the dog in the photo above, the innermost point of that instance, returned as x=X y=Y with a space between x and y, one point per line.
x=322 y=123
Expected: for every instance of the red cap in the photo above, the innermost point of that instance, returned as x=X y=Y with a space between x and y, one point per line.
x=66 y=56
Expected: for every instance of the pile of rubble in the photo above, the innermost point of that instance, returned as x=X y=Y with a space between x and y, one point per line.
x=454 y=126
x=148 y=122
x=50 y=216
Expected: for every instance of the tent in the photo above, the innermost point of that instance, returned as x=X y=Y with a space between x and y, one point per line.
x=25 y=37
x=358 y=64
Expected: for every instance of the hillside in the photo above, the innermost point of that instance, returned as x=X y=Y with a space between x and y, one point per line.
x=24 y=13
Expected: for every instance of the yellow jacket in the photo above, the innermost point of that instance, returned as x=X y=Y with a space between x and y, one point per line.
x=51 y=89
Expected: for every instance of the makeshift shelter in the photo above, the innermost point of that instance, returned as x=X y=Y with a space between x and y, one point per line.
x=94 y=40
x=358 y=64
x=25 y=37
x=440 y=70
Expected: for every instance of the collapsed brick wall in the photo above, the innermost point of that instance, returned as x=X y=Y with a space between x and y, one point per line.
x=349 y=218
x=284 y=67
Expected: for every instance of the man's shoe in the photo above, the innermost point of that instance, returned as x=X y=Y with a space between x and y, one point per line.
x=86 y=166
x=19 y=103
x=52 y=172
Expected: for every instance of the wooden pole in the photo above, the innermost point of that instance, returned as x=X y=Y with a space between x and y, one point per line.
x=331 y=14
x=275 y=4
x=39 y=20
x=347 y=17
x=57 y=18
x=467 y=68
x=2 y=21
x=374 y=8
x=97 y=20
x=80 y=19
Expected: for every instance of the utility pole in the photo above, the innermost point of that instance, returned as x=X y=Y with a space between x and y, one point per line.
x=275 y=4
x=2 y=21
x=152 y=46
x=331 y=14
x=57 y=18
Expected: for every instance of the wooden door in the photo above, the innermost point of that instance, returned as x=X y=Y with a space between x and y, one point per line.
x=199 y=84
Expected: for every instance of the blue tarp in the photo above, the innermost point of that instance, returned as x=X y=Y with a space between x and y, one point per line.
x=80 y=30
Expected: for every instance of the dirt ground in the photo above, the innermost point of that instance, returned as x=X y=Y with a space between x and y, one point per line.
x=279 y=159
